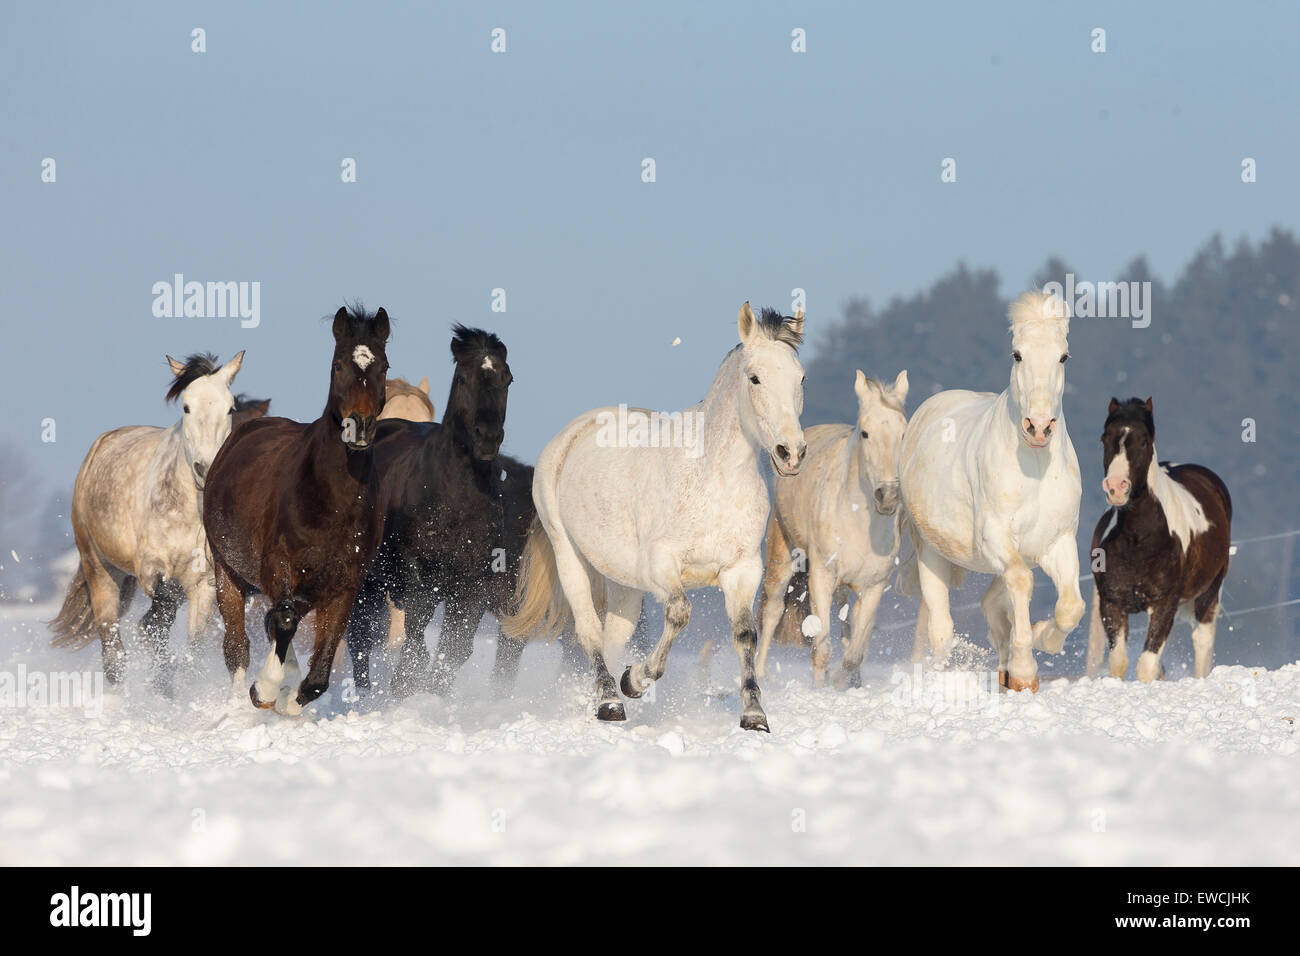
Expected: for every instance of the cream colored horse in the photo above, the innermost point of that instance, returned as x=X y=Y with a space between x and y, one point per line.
x=838 y=519
x=618 y=516
x=991 y=484
x=136 y=517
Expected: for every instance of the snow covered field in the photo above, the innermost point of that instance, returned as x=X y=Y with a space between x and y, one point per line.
x=1085 y=772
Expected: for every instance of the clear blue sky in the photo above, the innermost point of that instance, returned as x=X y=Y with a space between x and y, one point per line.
x=523 y=171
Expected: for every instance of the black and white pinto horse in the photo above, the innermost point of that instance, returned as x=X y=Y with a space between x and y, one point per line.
x=1161 y=546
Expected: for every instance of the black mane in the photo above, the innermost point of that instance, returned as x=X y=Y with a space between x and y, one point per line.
x=196 y=366
x=469 y=341
x=773 y=325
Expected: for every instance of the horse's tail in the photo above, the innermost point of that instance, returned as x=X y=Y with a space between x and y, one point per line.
x=540 y=608
x=74 y=625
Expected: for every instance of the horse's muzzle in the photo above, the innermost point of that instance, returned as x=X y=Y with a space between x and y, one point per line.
x=359 y=431
x=887 y=498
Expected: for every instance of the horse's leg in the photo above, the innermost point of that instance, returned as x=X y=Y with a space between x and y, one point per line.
x=331 y=625
x=230 y=603
x=921 y=636
x=157 y=626
x=776 y=578
x=861 y=622
x=1114 y=622
x=1207 y=613
x=577 y=584
x=505 y=668
x=1096 y=637
x=677 y=613
x=460 y=620
x=997 y=612
x=1022 y=669
x=281 y=625
x=413 y=672
x=365 y=625
x=739 y=583
x=821 y=585
x=1160 y=622
x=396 y=626
x=1061 y=564
x=622 y=613
x=933 y=572
x=106 y=600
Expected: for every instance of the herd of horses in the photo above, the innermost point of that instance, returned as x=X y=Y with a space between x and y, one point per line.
x=374 y=515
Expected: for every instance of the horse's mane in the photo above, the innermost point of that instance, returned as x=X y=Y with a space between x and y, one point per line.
x=468 y=341
x=1037 y=308
x=1135 y=409
x=243 y=402
x=398 y=387
x=196 y=366
x=773 y=325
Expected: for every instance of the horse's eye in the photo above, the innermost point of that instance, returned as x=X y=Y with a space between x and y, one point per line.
x=338 y=366
x=1064 y=357
x=186 y=409
x=864 y=434
x=753 y=379
x=1016 y=356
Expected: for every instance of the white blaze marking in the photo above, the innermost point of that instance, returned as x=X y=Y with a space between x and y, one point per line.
x=487 y=364
x=363 y=357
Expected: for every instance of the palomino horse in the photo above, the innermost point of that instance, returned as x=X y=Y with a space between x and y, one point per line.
x=456 y=514
x=290 y=509
x=136 y=518
x=1163 y=545
x=839 y=515
x=624 y=509
x=991 y=484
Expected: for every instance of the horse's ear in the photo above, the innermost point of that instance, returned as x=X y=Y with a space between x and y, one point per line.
x=261 y=407
x=1114 y=404
x=900 y=385
x=745 y=322
x=796 y=323
x=381 y=324
x=340 y=323
x=424 y=385
x=1147 y=403
x=176 y=367
x=231 y=368
x=860 y=383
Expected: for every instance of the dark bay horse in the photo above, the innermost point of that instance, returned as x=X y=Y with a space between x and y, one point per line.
x=1161 y=546
x=456 y=515
x=290 y=511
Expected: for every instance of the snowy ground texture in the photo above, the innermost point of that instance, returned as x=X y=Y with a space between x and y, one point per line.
x=1085 y=772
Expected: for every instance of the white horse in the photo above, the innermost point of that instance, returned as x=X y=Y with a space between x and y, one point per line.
x=137 y=517
x=618 y=516
x=991 y=484
x=839 y=514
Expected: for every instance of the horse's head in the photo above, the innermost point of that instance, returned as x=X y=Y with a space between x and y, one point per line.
x=881 y=420
x=407 y=401
x=247 y=409
x=771 y=385
x=1128 y=445
x=476 y=407
x=203 y=388
x=359 y=376
x=1040 y=324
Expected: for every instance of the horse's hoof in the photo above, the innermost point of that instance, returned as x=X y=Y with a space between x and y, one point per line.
x=611 y=710
x=257 y=701
x=1015 y=684
x=625 y=685
x=755 y=721
x=847 y=680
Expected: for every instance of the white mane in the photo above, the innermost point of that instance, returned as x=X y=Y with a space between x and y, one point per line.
x=1040 y=309
x=1183 y=513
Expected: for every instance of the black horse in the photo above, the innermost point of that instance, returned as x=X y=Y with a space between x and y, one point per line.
x=456 y=515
